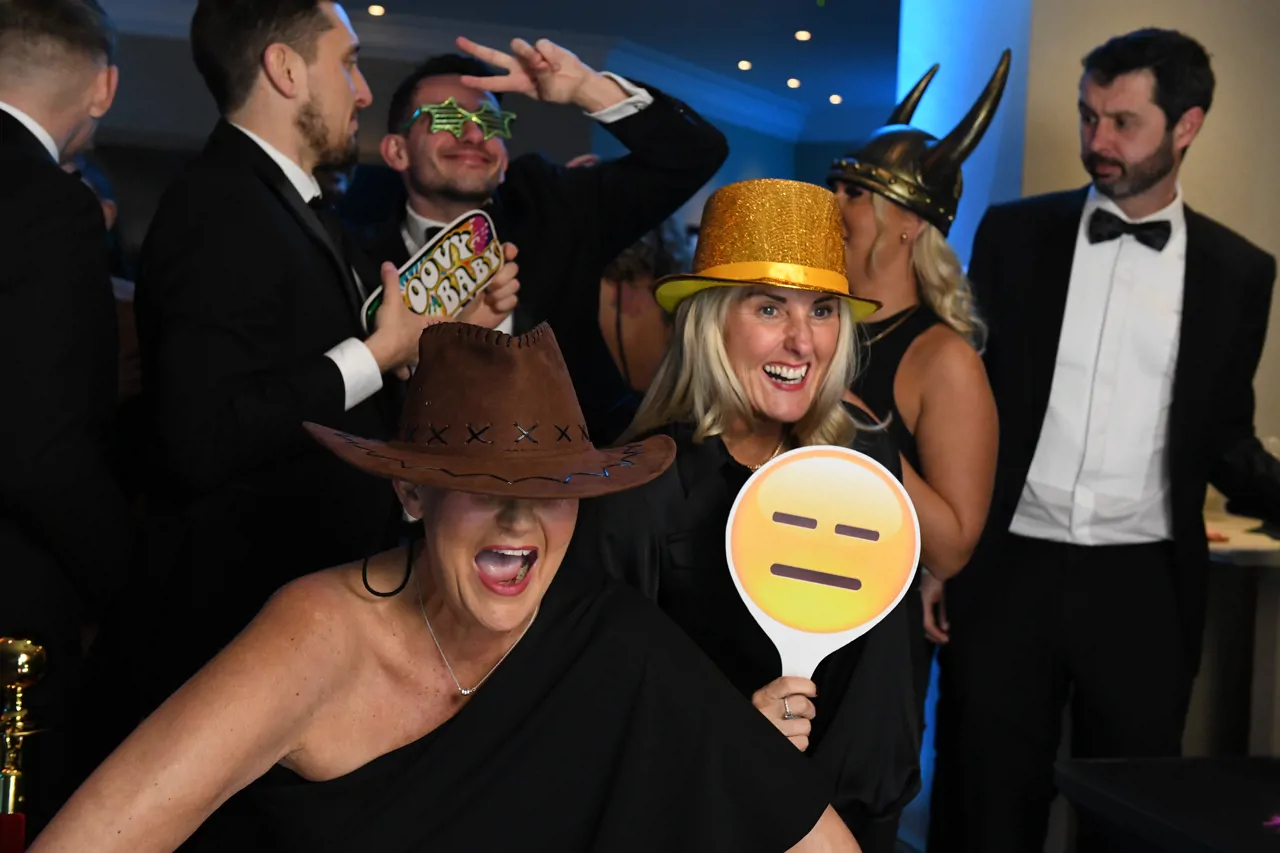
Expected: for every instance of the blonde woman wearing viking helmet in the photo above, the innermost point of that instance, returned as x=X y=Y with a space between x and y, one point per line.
x=923 y=374
x=763 y=348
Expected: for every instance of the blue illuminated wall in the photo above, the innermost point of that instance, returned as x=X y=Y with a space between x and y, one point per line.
x=966 y=37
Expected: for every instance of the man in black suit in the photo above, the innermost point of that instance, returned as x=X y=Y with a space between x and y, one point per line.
x=248 y=304
x=568 y=223
x=65 y=527
x=1125 y=332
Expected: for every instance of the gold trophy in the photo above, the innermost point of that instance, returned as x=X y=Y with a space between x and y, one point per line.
x=22 y=664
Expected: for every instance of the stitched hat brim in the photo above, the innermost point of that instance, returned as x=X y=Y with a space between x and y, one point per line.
x=673 y=290
x=576 y=474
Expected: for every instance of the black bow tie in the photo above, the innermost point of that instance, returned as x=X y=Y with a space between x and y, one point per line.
x=1104 y=226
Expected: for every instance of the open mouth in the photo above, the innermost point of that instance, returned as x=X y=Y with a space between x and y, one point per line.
x=505 y=569
x=811 y=576
x=789 y=376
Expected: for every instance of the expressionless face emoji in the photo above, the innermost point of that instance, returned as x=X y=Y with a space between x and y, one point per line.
x=823 y=540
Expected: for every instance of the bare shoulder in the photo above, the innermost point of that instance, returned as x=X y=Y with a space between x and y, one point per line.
x=316 y=616
x=940 y=355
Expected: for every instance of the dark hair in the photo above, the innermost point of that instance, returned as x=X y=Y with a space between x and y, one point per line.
x=658 y=253
x=79 y=26
x=229 y=38
x=444 y=65
x=1179 y=63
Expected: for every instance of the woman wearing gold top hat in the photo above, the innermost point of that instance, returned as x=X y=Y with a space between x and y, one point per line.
x=763 y=349
x=922 y=373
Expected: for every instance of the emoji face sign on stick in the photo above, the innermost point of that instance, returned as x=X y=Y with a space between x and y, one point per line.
x=822 y=543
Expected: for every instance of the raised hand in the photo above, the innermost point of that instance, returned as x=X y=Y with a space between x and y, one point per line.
x=394 y=342
x=543 y=71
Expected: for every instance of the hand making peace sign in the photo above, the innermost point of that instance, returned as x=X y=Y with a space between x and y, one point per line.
x=543 y=71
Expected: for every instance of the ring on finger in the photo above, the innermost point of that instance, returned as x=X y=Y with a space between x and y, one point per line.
x=786 y=710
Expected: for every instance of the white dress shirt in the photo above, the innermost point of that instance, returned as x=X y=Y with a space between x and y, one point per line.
x=361 y=377
x=1099 y=476
x=45 y=137
x=415 y=226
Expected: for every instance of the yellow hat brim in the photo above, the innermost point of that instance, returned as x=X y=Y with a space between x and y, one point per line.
x=673 y=290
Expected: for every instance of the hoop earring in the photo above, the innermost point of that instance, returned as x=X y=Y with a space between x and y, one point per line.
x=408 y=570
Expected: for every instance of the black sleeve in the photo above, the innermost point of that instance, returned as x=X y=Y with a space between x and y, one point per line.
x=60 y=349
x=870 y=748
x=741 y=785
x=981 y=272
x=1241 y=469
x=212 y=305
x=673 y=152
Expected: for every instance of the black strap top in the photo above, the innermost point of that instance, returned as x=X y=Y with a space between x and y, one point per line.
x=885 y=343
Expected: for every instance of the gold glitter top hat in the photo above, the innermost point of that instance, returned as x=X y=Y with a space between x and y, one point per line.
x=768 y=231
x=912 y=167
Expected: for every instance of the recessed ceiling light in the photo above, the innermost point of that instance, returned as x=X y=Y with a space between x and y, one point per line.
x=835 y=99
x=793 y=83
x=803 y=35
x=377 y=11
x=744 y=65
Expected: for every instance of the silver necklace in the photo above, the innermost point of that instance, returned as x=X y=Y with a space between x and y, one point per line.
x=467 y=691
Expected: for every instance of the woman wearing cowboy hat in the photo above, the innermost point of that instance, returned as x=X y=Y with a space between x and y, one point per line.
x=762 y=352
x=459 y=694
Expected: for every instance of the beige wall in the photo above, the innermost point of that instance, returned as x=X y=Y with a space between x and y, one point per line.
x=1233 y=171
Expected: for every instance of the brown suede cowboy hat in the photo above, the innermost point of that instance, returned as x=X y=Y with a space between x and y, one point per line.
x=493 y=414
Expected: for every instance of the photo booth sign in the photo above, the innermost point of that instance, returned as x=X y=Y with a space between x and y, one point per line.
x=822 y=543
x=448 y=272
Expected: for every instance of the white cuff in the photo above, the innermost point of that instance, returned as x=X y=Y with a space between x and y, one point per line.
x=361 y=378
x=637 y=99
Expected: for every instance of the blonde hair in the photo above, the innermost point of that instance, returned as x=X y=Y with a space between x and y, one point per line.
x=695 y=382
x=940 y=278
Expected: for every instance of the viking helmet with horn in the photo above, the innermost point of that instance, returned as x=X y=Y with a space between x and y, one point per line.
x=914 y=168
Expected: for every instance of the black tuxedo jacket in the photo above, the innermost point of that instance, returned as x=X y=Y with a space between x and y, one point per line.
x=570 y=223
x=1020 y=269
x=66 y=529
x=240 y=293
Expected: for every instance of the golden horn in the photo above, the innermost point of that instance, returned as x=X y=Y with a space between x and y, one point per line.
x=948 y=154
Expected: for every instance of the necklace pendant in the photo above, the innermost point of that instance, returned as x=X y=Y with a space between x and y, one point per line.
x=465 y=691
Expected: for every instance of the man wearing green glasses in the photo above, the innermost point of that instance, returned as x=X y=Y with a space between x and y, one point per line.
x=447 y=134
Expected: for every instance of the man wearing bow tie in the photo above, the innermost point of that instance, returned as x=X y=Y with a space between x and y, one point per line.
x=1125 y=329
x=449 y=123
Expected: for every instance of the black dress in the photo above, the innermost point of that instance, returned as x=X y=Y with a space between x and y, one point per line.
x=667 y=539
x=874 y=386
x=604 y=730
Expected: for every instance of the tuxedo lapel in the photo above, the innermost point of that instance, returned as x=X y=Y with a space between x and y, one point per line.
x=1200 y=339
x=229 y=141
x=1046 y=299
x=308 y=219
